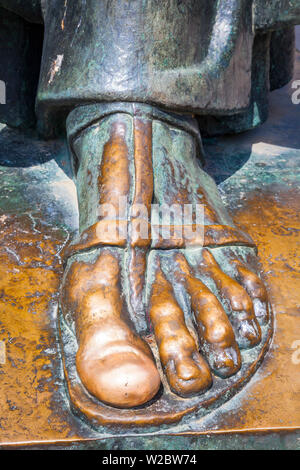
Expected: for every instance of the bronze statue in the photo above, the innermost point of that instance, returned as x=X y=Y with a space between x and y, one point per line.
x=145 y=319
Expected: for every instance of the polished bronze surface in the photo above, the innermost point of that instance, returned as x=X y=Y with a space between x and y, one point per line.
x=256 y=290
x=113 y=173
x=104 y=232
x=140 y=210
x=215 y=332
x=143 y=175
x=113 y=232
x=36 y=411
x=114 y=364
x=242 y=315
x=207 y=236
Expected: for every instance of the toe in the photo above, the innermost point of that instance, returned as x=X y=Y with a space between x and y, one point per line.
x=226 y=361
x=187 y=372
x=256 y=291
x=240 y=306
x=123 y=379
x=188 y=375
x=215 y=332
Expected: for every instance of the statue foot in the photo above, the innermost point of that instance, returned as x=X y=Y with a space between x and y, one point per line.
x=203 y=311
x=113 y=363
x=194 y=293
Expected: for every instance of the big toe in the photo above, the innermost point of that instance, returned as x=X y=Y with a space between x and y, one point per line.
x=123 y=380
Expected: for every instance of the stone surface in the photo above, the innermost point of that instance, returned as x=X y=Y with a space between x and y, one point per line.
x=258 y=175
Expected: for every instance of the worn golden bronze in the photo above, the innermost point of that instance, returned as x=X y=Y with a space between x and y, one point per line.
x=32 y=387
x=162 y=308
x=114 y=364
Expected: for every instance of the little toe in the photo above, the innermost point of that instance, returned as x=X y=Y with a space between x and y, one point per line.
x=215 y=332
x=239 y=304
x=188 y=375
x=256 y=291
